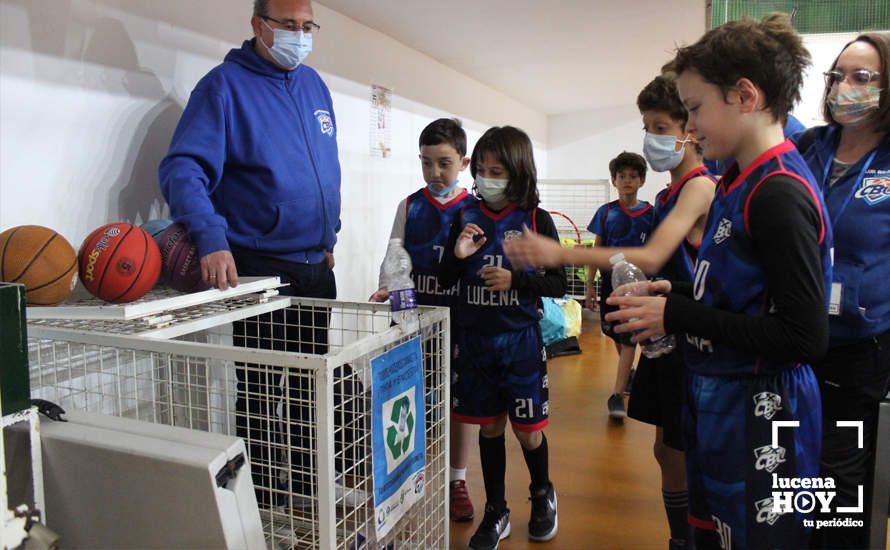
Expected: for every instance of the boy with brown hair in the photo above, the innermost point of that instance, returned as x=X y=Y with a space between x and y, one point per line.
x=622 y=222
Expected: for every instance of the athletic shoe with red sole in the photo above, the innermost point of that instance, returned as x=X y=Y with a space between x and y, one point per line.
x=460 y=504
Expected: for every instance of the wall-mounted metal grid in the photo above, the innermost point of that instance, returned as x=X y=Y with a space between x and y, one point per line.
x=577 y=199
x=572 y=204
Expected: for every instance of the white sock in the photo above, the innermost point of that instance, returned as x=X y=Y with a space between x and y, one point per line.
x=457 y=474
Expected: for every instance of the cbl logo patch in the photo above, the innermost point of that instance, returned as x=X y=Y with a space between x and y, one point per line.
x=325 y=122
x=874 y=190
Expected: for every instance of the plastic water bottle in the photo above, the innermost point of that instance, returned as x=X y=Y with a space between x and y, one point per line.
x=626 y=273
x=397 y=277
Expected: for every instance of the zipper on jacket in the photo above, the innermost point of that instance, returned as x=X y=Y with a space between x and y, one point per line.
x=287 y=78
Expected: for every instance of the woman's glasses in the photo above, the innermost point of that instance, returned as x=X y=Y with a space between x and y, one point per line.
x=859 y=77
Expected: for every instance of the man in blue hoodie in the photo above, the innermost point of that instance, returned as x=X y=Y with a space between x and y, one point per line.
x=253 y=173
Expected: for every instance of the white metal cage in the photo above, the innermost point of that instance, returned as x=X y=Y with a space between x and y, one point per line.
x=302 y=404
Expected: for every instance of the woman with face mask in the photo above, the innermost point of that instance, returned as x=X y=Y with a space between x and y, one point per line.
x=850 y=157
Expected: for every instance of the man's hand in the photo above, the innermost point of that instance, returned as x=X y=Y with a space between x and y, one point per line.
x=496 y=278
x=329 y=259
x=533 y=250
x=381 y=295
x=465 y=246
x=218 y=270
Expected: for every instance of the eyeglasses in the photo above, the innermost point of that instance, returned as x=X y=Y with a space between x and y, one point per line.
x=308 y=27
x=859 y=77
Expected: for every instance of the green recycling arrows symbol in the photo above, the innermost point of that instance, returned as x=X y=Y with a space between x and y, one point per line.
x=399 y=443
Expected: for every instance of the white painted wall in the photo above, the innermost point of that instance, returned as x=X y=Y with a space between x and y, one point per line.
x=580 y=145
x=91 y=90
x=824 y=48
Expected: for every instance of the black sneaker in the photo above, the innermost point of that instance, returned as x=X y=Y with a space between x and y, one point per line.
x=542 y=524
x=495 y=526
x=616 y=408
x=630 y=381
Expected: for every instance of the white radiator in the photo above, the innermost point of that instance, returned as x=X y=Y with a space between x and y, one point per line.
x=118 y=483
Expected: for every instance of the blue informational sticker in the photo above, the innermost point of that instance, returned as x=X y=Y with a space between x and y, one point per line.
x=397 y=432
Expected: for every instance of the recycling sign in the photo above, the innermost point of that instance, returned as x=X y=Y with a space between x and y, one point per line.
x=397 y=433
x=399 y=440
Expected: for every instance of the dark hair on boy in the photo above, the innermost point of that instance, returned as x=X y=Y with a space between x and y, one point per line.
x=769 y=53
x=661 y=95
x=513 y=148
x=261 y=8
x=445 y=130
x=627 y=159
x=881 y=42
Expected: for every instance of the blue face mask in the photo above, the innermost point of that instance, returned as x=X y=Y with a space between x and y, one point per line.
x=443 y=192
x=289 y=48
x=660 y=151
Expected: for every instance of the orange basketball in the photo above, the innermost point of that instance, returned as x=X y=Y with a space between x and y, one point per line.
x=119 y=262
x=40 y=259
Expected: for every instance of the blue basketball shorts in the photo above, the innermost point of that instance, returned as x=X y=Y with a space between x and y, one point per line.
x=500 y=374
x=732 y=464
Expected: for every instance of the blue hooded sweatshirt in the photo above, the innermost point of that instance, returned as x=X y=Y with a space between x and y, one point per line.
x=253 y=162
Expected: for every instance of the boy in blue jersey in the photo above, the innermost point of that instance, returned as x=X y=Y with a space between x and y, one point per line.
x=623 y=222
x=422 y=222
x=679 y=219
x=755 y=315
x=499 y=365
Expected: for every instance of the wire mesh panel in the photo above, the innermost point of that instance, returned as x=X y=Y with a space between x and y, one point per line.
x=811 y=16
x=572 y=203
x=294 y=383
x=577 y=199
x=571 y=236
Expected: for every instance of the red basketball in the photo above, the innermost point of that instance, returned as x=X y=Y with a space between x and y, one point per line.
x=182 y=265
x=119 y=262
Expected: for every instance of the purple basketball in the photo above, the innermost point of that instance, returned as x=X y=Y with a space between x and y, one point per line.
x=182 y=266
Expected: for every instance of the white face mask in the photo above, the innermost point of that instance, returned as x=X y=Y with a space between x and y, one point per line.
x=660 y=151
x=289 y=48
x=492 y=190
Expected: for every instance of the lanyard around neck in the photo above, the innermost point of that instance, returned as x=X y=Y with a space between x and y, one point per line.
x=836 y=216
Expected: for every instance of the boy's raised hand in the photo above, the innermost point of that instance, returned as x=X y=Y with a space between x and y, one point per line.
x=533 y=250
x=465 y=245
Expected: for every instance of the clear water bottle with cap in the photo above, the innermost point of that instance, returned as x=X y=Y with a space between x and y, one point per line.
x=397 y=277
x=635 y=283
